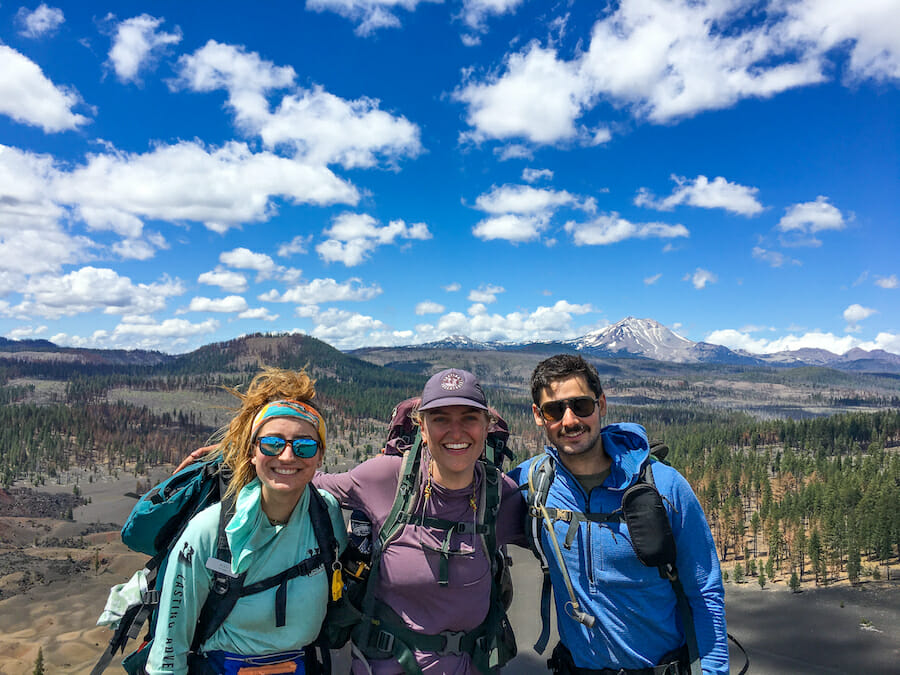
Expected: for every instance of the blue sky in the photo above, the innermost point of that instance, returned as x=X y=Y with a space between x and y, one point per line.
x=382 y=172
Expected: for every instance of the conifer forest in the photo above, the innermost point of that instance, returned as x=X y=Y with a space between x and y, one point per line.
x=793 y=501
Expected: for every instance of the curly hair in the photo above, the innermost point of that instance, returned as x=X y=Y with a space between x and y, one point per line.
x=271 y=384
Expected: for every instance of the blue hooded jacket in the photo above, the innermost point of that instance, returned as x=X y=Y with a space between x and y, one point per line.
x=636 y=610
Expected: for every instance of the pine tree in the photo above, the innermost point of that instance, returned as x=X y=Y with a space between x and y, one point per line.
x=39 y=663
x=795 y=583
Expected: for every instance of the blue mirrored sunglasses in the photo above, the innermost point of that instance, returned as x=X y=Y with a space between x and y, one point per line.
x=304 y=448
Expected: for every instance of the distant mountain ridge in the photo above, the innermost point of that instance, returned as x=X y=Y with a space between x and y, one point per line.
x=628 y=338
x=649 y=339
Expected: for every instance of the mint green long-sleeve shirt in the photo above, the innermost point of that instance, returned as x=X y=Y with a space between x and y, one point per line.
x=260 y=549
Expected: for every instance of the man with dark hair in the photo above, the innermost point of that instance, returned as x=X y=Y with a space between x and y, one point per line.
x=628 y=619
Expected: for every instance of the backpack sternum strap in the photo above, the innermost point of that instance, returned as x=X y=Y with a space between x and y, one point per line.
x=389 y=636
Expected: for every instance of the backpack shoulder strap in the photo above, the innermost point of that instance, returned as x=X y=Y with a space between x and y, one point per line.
x=651 y=536
x=407 y=488
x=330 y=550
x=225 y=589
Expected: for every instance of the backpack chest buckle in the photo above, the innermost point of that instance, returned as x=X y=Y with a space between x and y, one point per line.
x=452 y=642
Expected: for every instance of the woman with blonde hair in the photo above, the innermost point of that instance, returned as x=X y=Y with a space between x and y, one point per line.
x=273 y=446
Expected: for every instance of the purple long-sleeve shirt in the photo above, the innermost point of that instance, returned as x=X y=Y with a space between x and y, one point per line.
x=408 y=582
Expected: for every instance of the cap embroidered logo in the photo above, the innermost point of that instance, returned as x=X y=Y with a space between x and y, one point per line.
x=452 y=382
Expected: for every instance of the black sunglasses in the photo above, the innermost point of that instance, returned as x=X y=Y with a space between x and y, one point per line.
x=304 y=448
x=582 y=406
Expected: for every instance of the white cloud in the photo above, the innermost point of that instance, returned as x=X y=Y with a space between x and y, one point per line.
x=245 y=259
x=296 y=246
x=734 y=339
x=475 y=13
x=649 y=281
x=524 y=200
x=343 y=329
x=221 y=188
x=353 y=236
x=90 y=288
x=811 y=217
x=26 y=332
x=428 y=307
x=538 y=98
x=486 y=293
x=259 y=313
x=888 y=282
x=319 y=127
x=135 y=42
x=856 y=313
x=369 y=15
x=520 y=213
x=867 y=28
x=34 y=238
x=141 y=332
x=718 y=194
x=42 y=21
x=170 y=328
x=773 y=258
x=701 y=277
x=452 y=288
x=29 y=97
x=534 y=175
x=611 y=228
x=229 y=304
x=544 y=323
x=227 y=280
x=321 y=291
x=134 y=249
x=511 y=228
x=509 y=151
x=669 y=59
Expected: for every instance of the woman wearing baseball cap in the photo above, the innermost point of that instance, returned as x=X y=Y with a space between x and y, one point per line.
x=433 y=581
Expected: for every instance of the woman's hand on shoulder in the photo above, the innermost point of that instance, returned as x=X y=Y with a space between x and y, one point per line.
x=199 y=453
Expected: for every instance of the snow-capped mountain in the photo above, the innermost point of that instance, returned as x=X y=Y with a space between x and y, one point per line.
x=457 y=342
x=638 y=337
x=646 y=338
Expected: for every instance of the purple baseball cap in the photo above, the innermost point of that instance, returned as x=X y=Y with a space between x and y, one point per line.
x=452 y=387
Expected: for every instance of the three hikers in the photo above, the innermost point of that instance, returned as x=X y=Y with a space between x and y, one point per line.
x=440 y=513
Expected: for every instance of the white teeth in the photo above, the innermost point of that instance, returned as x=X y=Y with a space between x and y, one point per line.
x=285 y=472
x=456 y=446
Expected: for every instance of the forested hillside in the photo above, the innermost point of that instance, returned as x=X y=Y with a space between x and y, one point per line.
x=814 y=497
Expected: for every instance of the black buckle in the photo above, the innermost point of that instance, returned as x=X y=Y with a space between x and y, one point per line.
x=384 y=642
x=452 y=642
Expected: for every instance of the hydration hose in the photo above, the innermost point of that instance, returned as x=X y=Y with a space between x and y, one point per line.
x=573 y=609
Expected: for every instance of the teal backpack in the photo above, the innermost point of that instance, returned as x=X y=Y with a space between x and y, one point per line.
x=154 y=526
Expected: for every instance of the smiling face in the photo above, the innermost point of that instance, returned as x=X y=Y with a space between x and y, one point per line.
x=284 y=477
x=455 y=436
x=576 y=438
